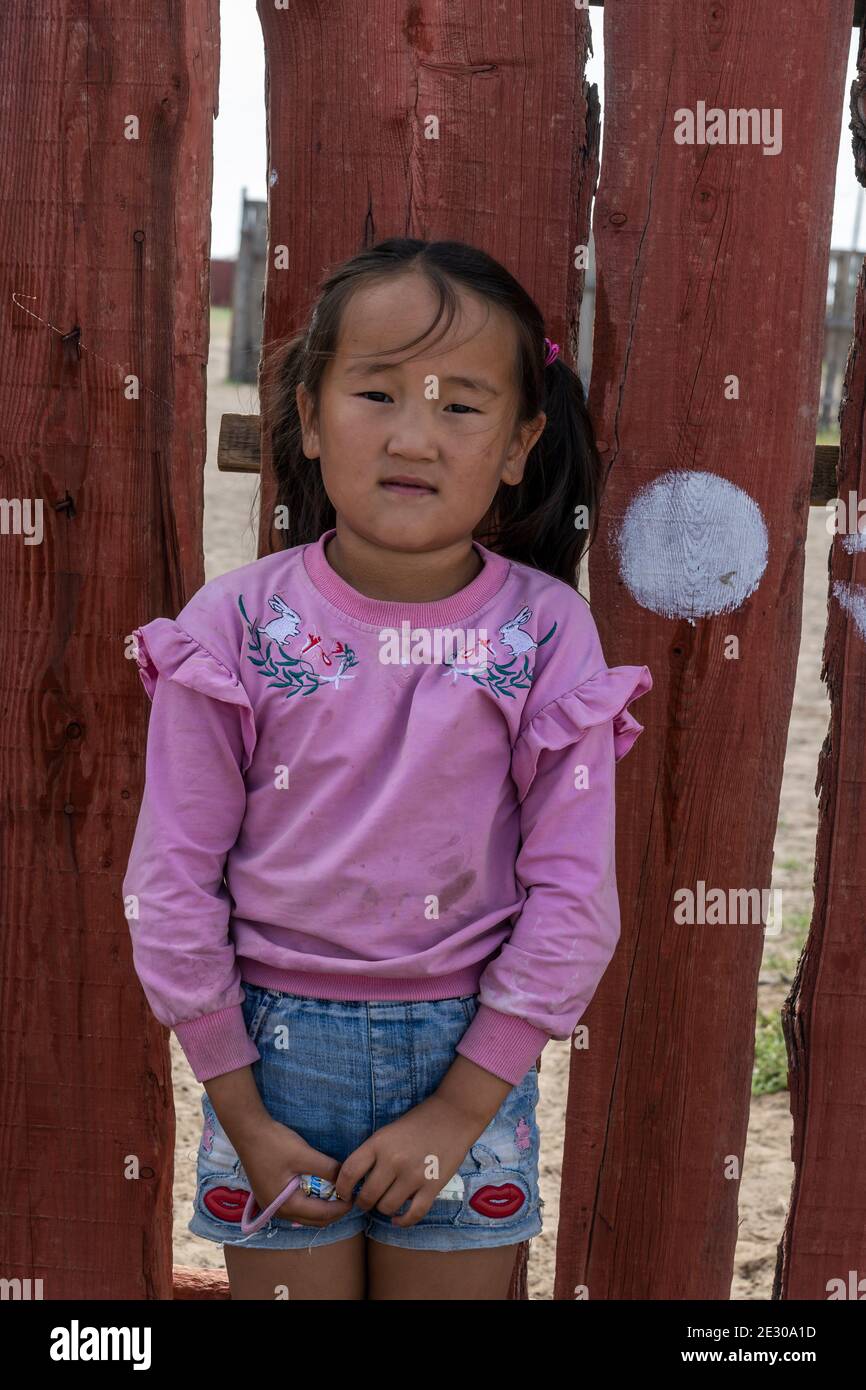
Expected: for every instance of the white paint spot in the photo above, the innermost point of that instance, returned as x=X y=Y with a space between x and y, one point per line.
x=853 y=542
x=692 y=544
x=852 y=597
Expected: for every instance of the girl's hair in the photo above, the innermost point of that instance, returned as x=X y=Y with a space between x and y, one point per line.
x=532 y=522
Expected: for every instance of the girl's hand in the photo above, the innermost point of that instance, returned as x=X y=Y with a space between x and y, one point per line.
x=395 y=1160
x=270 y=1155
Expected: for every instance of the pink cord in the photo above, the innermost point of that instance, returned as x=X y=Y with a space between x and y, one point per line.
x=248 y=1225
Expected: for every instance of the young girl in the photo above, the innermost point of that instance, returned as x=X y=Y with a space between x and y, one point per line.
x=396 y=738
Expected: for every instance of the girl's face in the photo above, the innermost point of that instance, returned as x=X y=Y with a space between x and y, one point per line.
x=446 y=419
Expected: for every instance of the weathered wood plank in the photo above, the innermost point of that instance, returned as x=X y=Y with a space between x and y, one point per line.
x=347 y=100
x=824 y=1016
x=701 y=275
x=104 y=242
x=195 y=1284
x=239 y=448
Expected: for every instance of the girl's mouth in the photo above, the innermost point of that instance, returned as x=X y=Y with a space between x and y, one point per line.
x=409 y=489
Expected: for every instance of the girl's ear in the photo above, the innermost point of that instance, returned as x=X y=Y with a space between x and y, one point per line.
x=306 y=414
x=521 y=446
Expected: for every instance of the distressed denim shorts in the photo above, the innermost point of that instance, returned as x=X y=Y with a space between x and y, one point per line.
x=342 y=1070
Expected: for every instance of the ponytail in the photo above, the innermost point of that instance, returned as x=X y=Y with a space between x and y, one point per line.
x=546 y=519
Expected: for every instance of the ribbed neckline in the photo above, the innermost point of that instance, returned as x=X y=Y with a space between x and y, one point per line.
x=387 y=612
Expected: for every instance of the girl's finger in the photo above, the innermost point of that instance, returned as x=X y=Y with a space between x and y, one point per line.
x=354 y=1169
x=312 y=1211
x=395 y=1195
x=419 y=1207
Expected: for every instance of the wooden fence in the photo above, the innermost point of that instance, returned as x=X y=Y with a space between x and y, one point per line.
x=711 y=274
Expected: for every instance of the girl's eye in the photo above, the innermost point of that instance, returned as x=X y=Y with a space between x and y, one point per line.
x=454 y=406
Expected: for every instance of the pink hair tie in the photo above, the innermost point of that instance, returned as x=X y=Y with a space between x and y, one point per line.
x=552 y=352
x=251 y=1223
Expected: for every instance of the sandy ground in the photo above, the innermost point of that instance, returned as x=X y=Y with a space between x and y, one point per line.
x=230 y=540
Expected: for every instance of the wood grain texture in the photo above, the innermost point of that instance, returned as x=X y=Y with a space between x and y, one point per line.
x=824 y=1016
x=194 y=1285
x=711 y=261
x=105 y=243
x=513 y=172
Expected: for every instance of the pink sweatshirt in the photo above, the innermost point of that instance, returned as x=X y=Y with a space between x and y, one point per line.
x=387 y=829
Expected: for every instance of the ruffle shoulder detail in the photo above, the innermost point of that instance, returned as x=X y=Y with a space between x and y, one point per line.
x=601 y=697
x=165 y=649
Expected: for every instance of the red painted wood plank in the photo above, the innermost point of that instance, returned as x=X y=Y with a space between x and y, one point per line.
x=513 y=170
x=822 y=1253
x=105 y=242
x=196 y=1284
x=711 y=261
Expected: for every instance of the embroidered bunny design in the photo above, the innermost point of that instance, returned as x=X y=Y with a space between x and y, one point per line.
x=288 y=624
x=512 y=635
x=294 y=673
x=499 y=676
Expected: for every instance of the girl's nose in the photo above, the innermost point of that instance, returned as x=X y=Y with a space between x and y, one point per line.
x=411 y=446
x=412 y=435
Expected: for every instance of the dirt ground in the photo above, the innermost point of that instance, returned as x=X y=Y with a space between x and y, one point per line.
x=230 y=540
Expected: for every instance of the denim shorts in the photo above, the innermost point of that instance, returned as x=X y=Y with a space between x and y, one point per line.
x=342 y=1070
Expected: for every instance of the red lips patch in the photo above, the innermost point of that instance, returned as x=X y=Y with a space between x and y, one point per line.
x=502 y=1200
x=226 y=1203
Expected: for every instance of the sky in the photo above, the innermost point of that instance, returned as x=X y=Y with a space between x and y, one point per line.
x=240 y=130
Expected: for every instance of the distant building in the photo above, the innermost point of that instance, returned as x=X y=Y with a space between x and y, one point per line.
x=842 y=275
x=248 y=291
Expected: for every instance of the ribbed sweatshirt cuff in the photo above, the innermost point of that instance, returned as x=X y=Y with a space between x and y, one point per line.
x=501 y=1043
x=216 y=1043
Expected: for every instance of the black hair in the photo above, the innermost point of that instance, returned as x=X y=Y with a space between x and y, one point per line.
x=532 y=522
